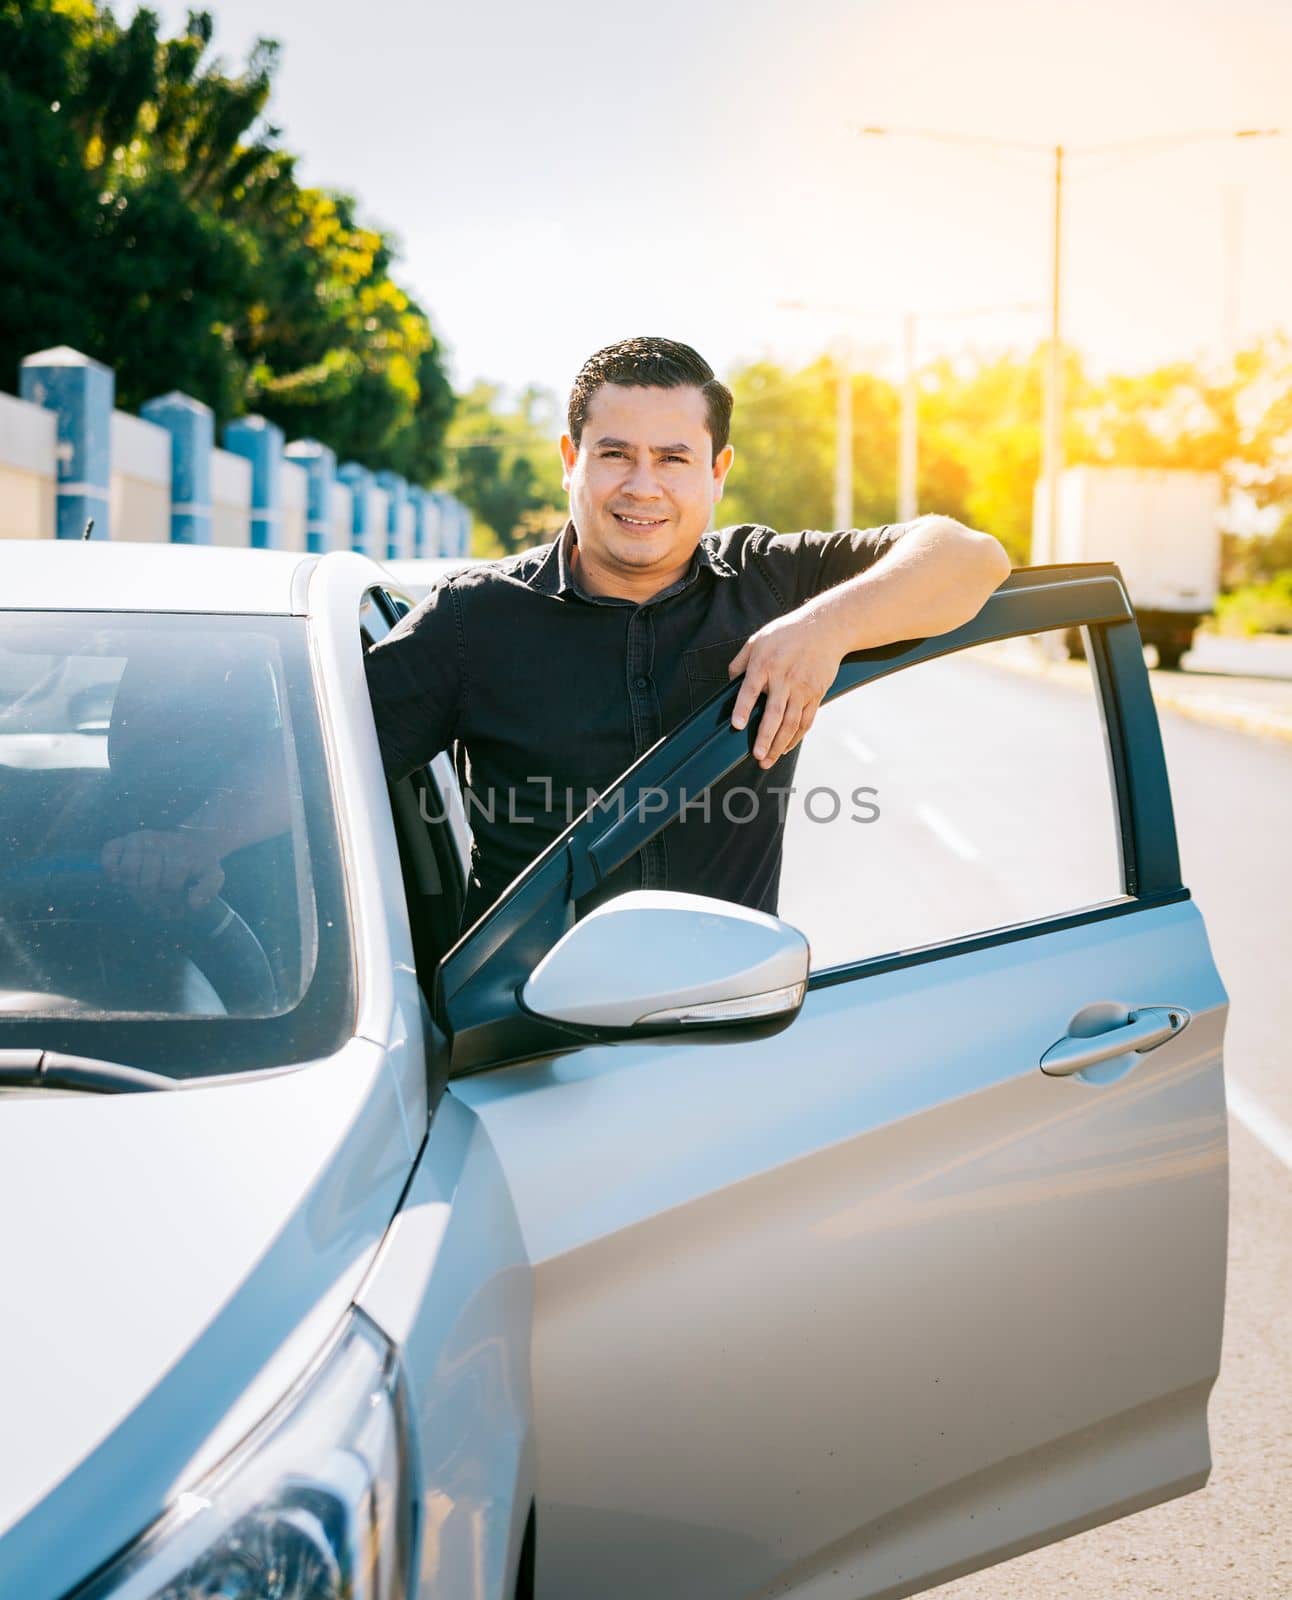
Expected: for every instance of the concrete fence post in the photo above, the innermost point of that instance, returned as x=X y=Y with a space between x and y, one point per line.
x=443 y=525
x=192 y=432
x=363 y=536
x=320 y=468
x=81 y=393
x=396 y=498
x=417 y=499
x=455 y=526
x=261 y=442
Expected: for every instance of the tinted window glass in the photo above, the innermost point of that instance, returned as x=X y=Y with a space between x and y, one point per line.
x=129 y=734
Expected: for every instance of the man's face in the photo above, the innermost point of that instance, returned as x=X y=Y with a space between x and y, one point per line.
x=643 y=481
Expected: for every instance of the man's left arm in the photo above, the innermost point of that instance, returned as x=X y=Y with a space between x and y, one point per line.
x=934 y=578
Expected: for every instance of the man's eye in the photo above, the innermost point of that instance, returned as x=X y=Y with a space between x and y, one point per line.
x=682 y=459
x=607 y=454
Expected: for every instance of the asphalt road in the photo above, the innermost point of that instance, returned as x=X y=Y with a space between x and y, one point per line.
x=984 y=843
x=1247 y=682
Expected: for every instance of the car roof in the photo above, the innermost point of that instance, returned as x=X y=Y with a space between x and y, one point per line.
x=428 y=569
x=120 y=575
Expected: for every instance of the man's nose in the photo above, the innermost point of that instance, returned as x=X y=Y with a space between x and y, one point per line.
x=642 y=482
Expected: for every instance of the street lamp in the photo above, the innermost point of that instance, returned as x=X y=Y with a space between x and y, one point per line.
x=1052 y=439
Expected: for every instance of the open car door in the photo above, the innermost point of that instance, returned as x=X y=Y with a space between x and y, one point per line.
x=929 y=1275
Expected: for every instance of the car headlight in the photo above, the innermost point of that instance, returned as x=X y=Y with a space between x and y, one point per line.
x=317 y=1503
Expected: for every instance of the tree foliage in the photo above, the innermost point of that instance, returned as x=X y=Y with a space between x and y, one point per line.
x=150 y=217
x=505 y=465
x=979 y=430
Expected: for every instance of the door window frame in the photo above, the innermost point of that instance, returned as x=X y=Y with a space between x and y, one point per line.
x=477 y=985
x=429 y=860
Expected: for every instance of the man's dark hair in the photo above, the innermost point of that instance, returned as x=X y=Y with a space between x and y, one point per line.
x=647 y=363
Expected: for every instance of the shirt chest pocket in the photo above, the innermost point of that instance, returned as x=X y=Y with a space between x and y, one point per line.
x=706 y=668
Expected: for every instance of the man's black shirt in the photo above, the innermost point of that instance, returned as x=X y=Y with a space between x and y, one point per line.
x=550 y=693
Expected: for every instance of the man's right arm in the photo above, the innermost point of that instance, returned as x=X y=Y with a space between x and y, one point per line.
x=417 y=683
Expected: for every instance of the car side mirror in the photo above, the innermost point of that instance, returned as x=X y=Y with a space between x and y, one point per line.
x=653 y=957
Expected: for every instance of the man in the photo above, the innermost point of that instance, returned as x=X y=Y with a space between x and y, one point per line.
x=555 y=669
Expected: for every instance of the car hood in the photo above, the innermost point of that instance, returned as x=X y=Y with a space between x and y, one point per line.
x=170 y=1262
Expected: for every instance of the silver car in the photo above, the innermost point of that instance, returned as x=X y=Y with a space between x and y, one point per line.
x=415 y=577
x=621 y=1256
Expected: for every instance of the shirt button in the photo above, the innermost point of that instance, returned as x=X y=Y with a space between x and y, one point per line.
x=640 y=683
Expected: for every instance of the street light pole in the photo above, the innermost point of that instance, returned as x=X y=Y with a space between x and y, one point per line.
x=907 y=452
x=1052 y=444
x=843 y=440
x=1233 y=265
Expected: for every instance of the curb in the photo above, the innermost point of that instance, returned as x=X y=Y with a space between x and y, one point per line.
x=1244 y=718
x=1219 y=711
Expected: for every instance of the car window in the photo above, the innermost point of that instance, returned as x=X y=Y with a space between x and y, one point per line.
x=119 y=727
x=55 y=708
x=374 y=624
x=964 y=794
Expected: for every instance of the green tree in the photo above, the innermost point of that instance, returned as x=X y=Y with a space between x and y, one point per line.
x=783 y=430
x=113 y=253
x=980 y=441
x=979 y=428
x=504 y=465
x=334 y=347
x=149 y=215
x=47 y=213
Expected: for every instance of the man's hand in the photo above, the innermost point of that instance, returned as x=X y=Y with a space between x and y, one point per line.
x=166 y=872
x=793 y=661
x=935 y=578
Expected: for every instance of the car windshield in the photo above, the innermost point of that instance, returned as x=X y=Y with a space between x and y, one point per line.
x=120 y=736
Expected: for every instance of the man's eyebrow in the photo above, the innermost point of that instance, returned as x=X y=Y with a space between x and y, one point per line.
x=658 y=449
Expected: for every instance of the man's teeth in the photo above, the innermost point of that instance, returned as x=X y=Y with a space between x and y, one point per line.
x=638 y=522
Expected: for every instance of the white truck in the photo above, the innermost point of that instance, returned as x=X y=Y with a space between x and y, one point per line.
x=1161 y=527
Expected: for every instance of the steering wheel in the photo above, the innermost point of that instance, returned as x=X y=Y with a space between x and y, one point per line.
x=218 y=941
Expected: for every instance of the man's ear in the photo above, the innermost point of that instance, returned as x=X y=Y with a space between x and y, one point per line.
x=721 y=467
x=569 y=455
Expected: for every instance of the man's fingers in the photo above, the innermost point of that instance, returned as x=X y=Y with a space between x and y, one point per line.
x=806 y=717
x=749 y=691
x=208 y=885
x=740 y=661
x=176 y=867
x=151 y=865
x=787 y=732
x=165 y=872
x=769 y=727
x=788 y=737
x=791 y=729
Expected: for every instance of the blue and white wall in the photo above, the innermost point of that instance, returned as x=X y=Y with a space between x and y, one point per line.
x=67 y=454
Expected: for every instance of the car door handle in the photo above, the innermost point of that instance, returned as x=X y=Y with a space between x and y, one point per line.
x=1144 y=1029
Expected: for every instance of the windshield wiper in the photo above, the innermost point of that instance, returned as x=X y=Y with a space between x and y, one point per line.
x=49 y=1069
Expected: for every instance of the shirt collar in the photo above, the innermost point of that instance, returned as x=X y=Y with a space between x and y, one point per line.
x=556 y=576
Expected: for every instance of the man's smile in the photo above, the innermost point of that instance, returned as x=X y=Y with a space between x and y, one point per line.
x=638 y=522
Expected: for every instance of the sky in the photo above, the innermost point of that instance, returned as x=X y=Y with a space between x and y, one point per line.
x=560 y=177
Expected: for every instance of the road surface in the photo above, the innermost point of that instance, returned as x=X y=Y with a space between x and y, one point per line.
x=1267 y=656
